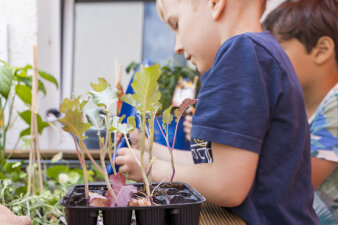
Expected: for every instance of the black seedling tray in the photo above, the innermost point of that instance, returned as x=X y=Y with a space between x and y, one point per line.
x=179 y=204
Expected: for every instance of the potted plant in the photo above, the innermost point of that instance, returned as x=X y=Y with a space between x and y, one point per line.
x=153 y=203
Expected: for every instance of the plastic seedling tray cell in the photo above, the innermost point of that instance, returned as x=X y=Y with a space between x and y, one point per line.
x=175 y=204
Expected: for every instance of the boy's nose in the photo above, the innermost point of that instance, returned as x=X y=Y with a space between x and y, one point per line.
x=178 y=48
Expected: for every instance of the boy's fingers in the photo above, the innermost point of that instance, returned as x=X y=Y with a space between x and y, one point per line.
x=188 y=118
x=118 y=137
x=187 y=130
x=187 y=124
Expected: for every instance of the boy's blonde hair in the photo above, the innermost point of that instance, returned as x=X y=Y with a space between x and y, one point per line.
x=159 y=7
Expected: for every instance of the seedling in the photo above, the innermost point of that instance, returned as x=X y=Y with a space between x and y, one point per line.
x=167 y=119
x=104 y=97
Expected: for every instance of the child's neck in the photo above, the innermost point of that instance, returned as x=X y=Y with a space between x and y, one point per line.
x=239 y=19
x=315 y=93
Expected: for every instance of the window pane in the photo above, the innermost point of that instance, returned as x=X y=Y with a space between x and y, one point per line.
x=104 y=32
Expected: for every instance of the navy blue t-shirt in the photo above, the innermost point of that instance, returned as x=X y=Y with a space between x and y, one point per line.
x=251 y=99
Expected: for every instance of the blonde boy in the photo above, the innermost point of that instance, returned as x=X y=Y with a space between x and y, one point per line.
x=250 y=139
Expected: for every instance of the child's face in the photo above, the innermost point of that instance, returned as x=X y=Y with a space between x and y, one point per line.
x=194 y=29
x=301 y=60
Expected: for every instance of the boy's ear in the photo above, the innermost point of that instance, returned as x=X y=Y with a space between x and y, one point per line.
x=217 y=7
x=324 y=50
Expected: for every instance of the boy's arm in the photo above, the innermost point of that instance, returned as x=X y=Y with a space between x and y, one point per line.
x=226 y=182
x=180 y=157
x=321 y=169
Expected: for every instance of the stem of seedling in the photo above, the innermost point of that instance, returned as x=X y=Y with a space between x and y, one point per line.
x=144 y=176
x=83 y=146
x=84 y=169
x=114 y=154
x=169 y=148
x=150 y=145
x=106 y=178
x=131 y=150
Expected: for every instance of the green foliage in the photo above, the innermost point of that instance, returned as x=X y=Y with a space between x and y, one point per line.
x=167 y=118
x=42 y=209
x=17 y=82
x=73 y=117
x=146 y=98
x=101 y=86
x=26 y=116
x=168 y=80
x=6 y=79
x=48 y=77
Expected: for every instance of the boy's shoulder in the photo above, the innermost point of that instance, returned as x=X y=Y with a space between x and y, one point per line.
x=250 y=48
x=268 y=43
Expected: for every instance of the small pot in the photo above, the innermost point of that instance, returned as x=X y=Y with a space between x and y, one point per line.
x=176 y=204
x=92 y=140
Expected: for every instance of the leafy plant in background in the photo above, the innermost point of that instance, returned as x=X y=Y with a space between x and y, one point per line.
x=170 y=74
x=16 y=82
x=42 y=209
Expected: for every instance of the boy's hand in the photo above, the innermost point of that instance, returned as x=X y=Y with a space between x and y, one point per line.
x=128 y=165
x=8 y=218
x=134 y=138
x=187 y=126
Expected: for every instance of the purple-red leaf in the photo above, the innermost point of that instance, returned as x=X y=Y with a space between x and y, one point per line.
x=184 y=105
x=123 y=192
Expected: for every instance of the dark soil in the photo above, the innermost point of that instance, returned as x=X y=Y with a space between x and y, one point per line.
x=165 y=194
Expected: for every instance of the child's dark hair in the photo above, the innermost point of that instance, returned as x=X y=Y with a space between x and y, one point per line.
x=305 y=20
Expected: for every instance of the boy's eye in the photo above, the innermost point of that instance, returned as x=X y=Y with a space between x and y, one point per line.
x=175 y=26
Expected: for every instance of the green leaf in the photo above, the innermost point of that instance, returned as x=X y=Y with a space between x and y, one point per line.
x=131 y=122
x=28 y=82
x=6 y=79
x=73 y=117
x=127 y=127
x=102 y=85
x=114 y=122
x=73 y=177
x=94 y=118
x=48 y=77
x=129 y=99
x=73 y=123
x=24 y=93
x=106 y=98
x=167 y=118
x=25 y=132
x=54 y=171
x=26 y=116
x=57 y=157
x=146 y=88
x=70 y=104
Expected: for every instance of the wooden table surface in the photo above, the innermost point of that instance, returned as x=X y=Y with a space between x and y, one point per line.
x=214 y=215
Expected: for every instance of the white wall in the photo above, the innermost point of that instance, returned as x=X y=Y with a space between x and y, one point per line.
x=112 y=31
x=21 y=19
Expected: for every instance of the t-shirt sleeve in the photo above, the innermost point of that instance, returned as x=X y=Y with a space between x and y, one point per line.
x=234 y=103
x=324 y=130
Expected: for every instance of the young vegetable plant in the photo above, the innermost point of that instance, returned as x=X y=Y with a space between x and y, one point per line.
x=167 y=119
x=145 y=100
x=104 y=97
